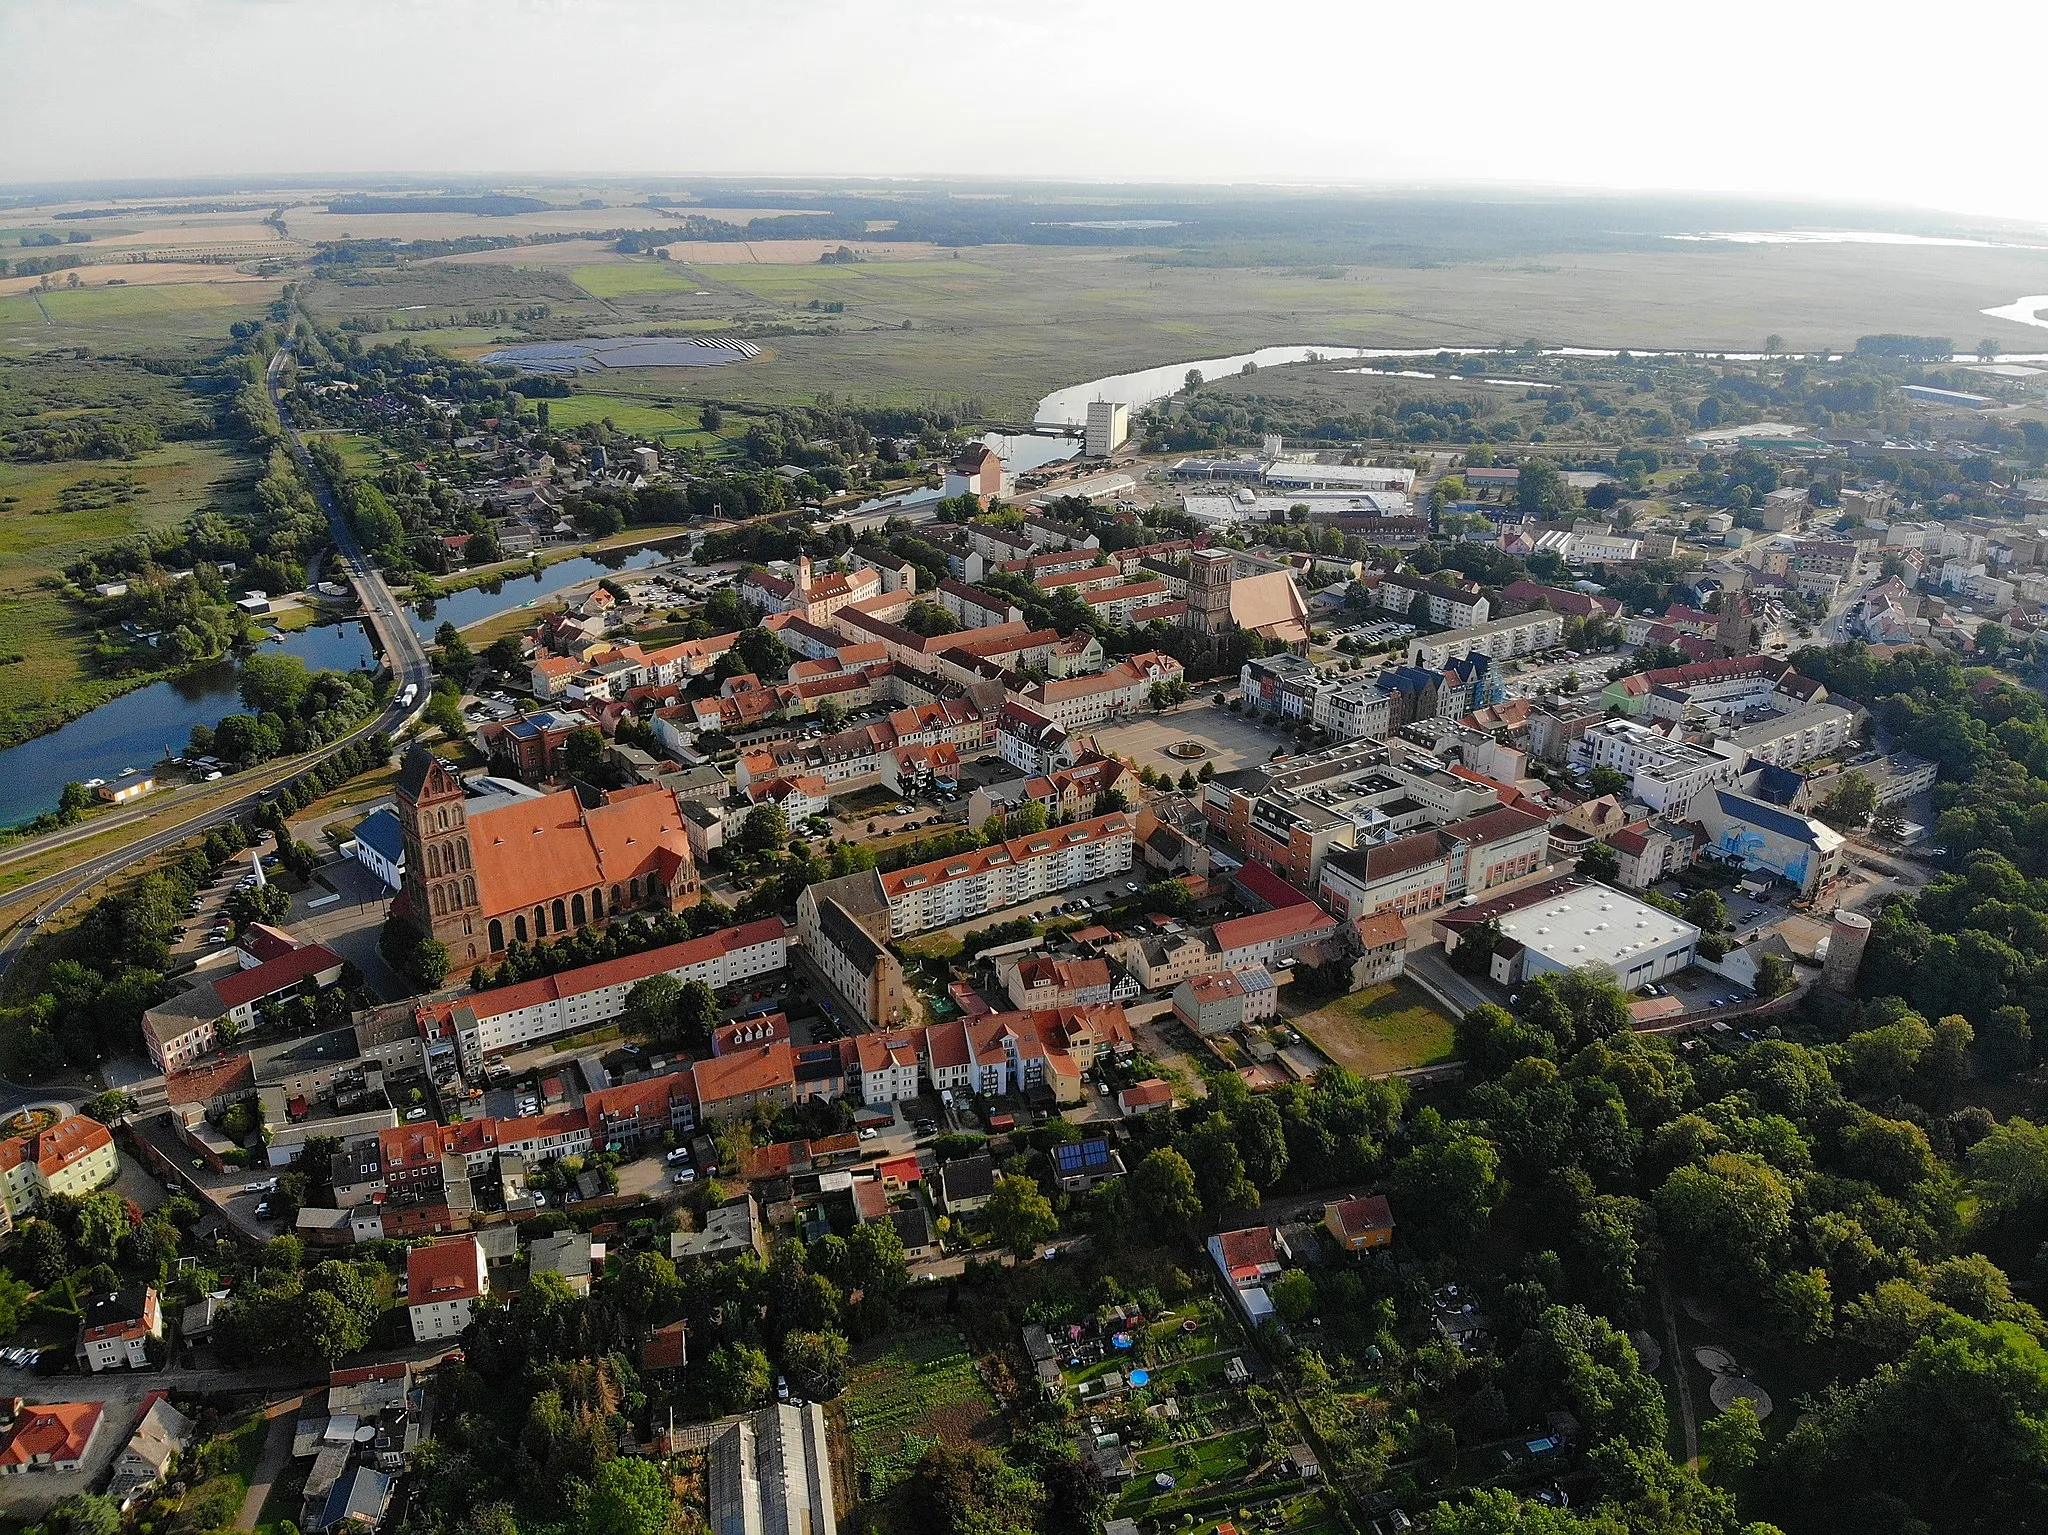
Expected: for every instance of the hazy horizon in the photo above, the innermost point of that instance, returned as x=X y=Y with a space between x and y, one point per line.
x=1769 y=103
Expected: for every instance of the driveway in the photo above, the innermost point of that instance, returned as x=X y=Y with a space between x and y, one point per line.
x=277 y=1453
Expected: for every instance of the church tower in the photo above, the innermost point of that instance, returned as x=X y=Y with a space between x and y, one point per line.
x=440 y=876
x=1209 y=576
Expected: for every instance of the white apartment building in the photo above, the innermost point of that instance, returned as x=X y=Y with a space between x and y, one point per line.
x=990 y=879
x=1663 y=773
x=1074 y=703
x=889 y=1067
x=1438 y=601
x=513 y=1016
x=1802 y=735
x=1520 y=634
x=1355 y=710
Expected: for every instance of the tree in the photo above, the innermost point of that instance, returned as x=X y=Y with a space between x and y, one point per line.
x=1294 y=1297
x=1773 y=976
x=330 y=1328
x=482 y=548
x=1019 y=1215
x=1474 y=953
x=1540 y=488
x=1731 y=1215
x=109 y=1106
x=696 y=1015
x=627 y=1497
x=765 y=828
x=583 y=755
x=1599 y=861
x=818 y=1362
x=875 y=1262
x=763 y=654
x=650 y=1010
x=1849 y=804
x=1163 y=1187
x=1705 y=910
x=506 y=654
x=274 y=683
x=1606 y=780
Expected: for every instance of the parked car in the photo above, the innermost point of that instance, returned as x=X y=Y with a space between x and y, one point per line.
x=412 y=1116
x=680 y=1154
x=683 y=1175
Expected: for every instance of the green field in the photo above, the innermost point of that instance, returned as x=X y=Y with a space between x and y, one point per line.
x=172 y=317
x=673 y=423
x=630 y=278
x=362 y=456
x=38 y=537
x=1380 y=1029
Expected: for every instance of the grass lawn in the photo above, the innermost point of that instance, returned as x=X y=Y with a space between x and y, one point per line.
x=50 y=515
x=1381 y=1029
x=362 y=456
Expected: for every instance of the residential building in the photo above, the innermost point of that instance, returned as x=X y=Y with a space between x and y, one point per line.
x=185 y=1027
x=1074 y=703
x=844 y=928
x=949 y=890
x=729 y=1231
x=380 y=846
x=566 y=1254
x=50 y=1436
x=509 y=1017
x=1211 y=1003
x=1109 y=425
x=1360 y=1224
x=1440 y=602
x=1664 y=772
x=117 y=1329
x=1270 y=938
x=1501 y=639
x=443 y=1283
x=1799 y=736
x=1249 y=1258
x=146 y=1459
x=1382 y=944
x=965 y=1183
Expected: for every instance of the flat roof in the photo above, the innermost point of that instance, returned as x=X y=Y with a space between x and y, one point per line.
x=1594 y=925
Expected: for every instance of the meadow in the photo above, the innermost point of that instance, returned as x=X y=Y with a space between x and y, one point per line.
x=673 y=423
x=50 y=514
x=1380 y=1029
x=156 y=320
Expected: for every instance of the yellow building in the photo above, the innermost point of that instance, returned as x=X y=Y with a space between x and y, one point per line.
x=74 y=1156
x=1360 y=1225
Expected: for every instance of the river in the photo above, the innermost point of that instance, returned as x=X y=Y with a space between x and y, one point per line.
x=138 y=729
x=524 y=588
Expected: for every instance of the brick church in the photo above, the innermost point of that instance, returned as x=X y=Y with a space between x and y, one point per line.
x=528 y=870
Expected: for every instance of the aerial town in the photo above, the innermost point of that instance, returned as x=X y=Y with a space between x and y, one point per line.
x=716 y=855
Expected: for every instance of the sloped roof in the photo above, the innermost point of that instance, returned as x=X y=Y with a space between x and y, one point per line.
x=1271 y=605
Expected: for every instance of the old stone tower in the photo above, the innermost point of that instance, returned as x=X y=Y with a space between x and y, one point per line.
x=440 y=875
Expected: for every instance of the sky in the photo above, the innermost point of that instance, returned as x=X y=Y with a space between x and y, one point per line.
x=1821 y=99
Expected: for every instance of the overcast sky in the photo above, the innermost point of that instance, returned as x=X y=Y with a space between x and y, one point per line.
x=1874 y=101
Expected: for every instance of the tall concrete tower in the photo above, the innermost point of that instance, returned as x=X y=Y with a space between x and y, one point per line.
x=1846 y=938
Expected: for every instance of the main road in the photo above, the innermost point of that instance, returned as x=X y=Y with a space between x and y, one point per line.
x=396 y=643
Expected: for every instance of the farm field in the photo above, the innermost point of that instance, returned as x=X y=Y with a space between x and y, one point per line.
x=924 y=1388
x=1383 y=1028
x=181 y=318
x=624 y=278
x=50 y=514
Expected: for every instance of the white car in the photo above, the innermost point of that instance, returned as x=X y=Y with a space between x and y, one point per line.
x=869 y=1134
x=683 y=1175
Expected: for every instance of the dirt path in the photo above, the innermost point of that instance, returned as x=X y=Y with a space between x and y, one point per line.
x=1679 y=1374
x=277 y=1450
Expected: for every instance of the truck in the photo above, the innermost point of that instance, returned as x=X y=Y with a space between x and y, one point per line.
x=412 y=691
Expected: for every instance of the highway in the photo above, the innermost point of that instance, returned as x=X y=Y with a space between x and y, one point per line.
x=395 y=642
